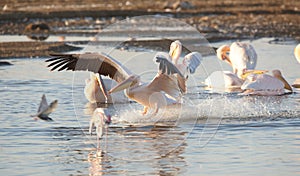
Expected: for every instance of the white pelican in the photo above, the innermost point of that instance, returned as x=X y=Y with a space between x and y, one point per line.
x=96 y=85
x=296 y=84
x=297 y=52
x=45 y=110
x=159 y=92
x=241 y=57
x=263 y=84
x=188 y=65
x=95 y=91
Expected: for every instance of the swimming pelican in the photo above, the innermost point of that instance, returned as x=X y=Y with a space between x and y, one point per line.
x=45 y=110
x=296 y=84
x=161 y=91
x=241 y=57
x=264 y=84
x=100 y=119
x=93 y=90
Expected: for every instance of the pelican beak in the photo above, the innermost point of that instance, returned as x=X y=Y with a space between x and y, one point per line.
x=102 y=86
x=248 y=72
x=286 y=84
x=122 y=85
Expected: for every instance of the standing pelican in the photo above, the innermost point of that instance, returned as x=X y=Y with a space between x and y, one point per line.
x=296 y=84
x=263 y=84
x=241 y=57
x=159 y=92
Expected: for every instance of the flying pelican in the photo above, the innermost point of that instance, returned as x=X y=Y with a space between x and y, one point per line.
x=263 y=84
x=296 y=84
x=100 y=119
x=241 y=57
x=45 y=110
x=161 y=91
x=95 y=93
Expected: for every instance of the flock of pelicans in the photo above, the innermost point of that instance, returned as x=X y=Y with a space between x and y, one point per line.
x=169 y=84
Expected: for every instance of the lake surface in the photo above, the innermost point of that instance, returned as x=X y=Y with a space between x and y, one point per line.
x=211 y=134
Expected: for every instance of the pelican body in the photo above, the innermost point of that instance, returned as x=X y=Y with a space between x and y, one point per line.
x=263 y=84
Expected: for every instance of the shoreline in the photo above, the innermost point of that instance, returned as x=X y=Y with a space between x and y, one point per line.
x=226 y=20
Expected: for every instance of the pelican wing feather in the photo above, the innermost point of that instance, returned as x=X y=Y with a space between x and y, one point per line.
x=94 y=62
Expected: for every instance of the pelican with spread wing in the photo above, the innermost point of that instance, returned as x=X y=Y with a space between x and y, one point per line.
x=95 y=85
x=161 y=91
x=241 y=57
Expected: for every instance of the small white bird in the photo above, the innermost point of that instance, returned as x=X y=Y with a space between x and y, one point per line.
x=45 y=109
x=100 y=119
x=267 y=85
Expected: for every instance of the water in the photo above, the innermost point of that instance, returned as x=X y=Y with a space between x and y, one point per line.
x=211 y=134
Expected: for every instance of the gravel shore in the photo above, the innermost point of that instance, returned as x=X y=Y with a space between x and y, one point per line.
x=217 y=20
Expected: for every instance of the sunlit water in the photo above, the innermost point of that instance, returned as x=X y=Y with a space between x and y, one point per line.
x=211 y=134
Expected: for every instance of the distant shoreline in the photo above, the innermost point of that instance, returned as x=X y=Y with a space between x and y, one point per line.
x=218 y=20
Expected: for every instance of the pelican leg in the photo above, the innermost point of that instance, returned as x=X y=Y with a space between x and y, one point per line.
x=102 y=87
x=145 y=110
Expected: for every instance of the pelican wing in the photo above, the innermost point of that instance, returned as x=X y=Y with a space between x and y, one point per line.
x=43 y=105
x=166 y=66
x=192 y=61
x=165 y=79
x=166 y=83
x=94 y=62
x=243 y=56
x=262 y=82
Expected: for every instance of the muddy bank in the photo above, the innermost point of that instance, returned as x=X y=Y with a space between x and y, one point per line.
x=217 y=20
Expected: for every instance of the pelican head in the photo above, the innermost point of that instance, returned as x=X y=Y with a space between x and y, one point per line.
x=175 y=50
x=297 y=52
x=131 y=81
x=222 y=53
x=277 y=74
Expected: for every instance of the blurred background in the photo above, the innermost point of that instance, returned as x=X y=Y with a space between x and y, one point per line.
x=216 y=20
